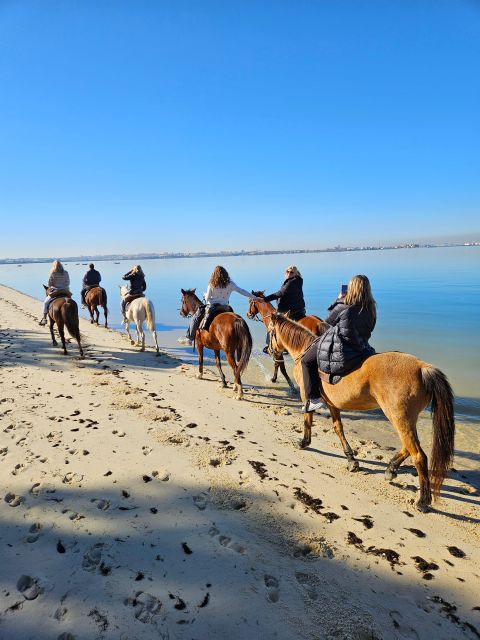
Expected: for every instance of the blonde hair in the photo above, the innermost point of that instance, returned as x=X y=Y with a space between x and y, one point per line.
x=137 y=269
x=57 y=267
x=219 y=277
x=359 y=293
x=293 y=271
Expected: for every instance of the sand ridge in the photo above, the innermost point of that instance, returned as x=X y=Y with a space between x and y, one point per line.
x=138 y=502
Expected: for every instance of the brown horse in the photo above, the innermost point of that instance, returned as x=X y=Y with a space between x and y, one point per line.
x=64 y=312
x=265 y=310
x=402 y=386
x=228 y=332
x=94 y=298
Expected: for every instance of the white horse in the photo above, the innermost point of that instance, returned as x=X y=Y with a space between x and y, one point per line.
x=138 y=311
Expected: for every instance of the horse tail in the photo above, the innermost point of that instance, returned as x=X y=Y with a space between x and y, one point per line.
x=441 y=394
x=149 y=310
x=104 y=298
x=69 y=312
x=244 y=337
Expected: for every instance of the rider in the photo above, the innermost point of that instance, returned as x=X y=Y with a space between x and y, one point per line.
x=220 y=286
x=344 y=345
x=58 y=281
x=290 y=296
x=137 y=286
x=91 y=279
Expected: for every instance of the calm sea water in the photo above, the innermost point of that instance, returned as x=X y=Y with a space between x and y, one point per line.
x=428 y=301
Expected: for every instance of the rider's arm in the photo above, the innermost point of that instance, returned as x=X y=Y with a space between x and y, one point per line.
x=243 y=292
x=127 y=276
x=208 y=294
x=277 y=295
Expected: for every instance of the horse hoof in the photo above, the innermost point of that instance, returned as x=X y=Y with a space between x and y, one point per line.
x=199 y=376
x=303 y=444
x=422 y=507
x=91 y=321
x=132 y=341
x=273 y=379
x=157 y=354
x=353 y=465
x=390 y=475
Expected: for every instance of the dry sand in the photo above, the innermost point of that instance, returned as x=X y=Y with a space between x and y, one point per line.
x=139 y=502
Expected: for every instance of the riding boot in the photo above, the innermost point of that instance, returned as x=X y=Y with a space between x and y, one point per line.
x=123 y=311
x=43 y=321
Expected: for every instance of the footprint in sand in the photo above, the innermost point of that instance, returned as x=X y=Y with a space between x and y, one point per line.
x=29 y=587
x=146 y=450
x=120 y=434
x=103 y=505
x=93 y=560
x=18 y=469
x=145 y=606
x=71 y=477
x=308 y=582
x=13 y=500
x=3 y=451
x=273 y=588
x=200 y=501
x=34 y=532
x=60 y=613
x=161 y=474
x=225 y=541
x=403 y=630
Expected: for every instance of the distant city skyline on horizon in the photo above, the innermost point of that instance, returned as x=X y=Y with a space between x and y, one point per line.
x=150 y=127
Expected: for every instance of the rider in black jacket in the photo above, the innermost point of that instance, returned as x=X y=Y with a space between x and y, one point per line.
x=344 y=345
x=290 y=297
x=138 y=285
x=91 y=279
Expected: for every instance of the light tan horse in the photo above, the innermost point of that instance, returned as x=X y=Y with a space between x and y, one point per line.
x=139 y=310
x=402 y=386
x=265 y=309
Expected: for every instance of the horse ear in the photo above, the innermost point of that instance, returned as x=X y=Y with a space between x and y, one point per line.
x=193 y=290
x=182 y=290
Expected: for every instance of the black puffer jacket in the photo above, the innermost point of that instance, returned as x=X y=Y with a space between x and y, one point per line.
x=344 y=346
x=290 y=295
x=137 y=282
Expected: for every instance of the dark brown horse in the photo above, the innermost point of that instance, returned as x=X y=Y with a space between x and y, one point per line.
x=63 y=311
x=265 y=310
x=402 y=386
x=228 y=332
x=94 y=298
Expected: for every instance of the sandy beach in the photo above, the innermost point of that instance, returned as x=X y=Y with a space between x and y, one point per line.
x=139 y=502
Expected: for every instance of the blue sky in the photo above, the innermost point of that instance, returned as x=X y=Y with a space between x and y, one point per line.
x=130 y=126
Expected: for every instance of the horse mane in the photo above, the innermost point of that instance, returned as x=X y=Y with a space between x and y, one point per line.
x=191 y=292
x=298 y=337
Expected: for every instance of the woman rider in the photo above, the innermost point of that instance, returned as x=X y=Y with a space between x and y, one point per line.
x=138 y=285
x=220 y=286
x=58 y=282
x=290 y=296
x=344 y=346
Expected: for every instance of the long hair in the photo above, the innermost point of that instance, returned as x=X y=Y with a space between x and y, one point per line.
x=292 y=271
x=137 y=269
x=359 y=293
x=57 y=267
x=219 y=278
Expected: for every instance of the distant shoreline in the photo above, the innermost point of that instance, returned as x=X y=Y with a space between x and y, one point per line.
x=222 y=254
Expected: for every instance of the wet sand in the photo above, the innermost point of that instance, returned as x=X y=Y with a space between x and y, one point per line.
x=139 y=502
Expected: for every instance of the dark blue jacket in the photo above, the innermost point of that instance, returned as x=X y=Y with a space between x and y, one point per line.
x=137 y=282
x=344 y=345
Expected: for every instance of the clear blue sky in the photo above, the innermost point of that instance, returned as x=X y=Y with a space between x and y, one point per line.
x=129 y=126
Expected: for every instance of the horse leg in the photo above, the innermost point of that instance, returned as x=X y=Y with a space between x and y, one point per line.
x=200 y=355
x=408 y=434
x=52 y=322
x=127 y=328
x=307 y=429
x=281 y=364
x=105 y=313
x=97 y=315
x=90 y=311
x=395 y=462
x=347 y=449
x=219 y=367
x=140 y=337
x=61 y=331
x=275 y=370
x=237 y=386
x=154 y=334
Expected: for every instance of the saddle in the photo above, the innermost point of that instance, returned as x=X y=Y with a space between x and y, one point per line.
x=61 y=293
x=212 y=312
x=130 y=297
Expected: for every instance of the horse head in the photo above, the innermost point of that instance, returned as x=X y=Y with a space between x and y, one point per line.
x=188 y=302
x=123 y=291
x=253 y=309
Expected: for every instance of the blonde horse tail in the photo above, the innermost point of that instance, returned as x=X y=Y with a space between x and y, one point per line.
x=441 y=394
x=150 y=315
x=243 y=335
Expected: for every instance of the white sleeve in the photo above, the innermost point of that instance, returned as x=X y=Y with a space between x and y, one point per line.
x=208 y=294
x=238 y=289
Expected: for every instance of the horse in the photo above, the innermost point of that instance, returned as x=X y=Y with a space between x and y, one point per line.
x=398 y=383
x=137 y=311
x=94 y=298
x=228 y=332
x=265 y=309
x=63 y=311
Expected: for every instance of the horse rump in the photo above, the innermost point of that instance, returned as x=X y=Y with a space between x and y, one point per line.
x=69 y=311
x=443 y=440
